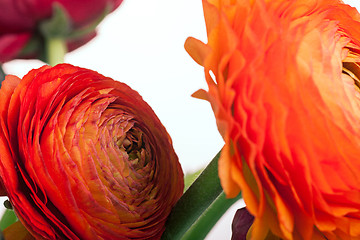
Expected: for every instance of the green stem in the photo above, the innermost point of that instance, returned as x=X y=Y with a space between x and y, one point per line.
x=188 y=213
x=210 y=217
x=55 y=50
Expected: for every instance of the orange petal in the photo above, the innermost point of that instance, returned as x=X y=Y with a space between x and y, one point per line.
x=17 y=231
x=197 y=50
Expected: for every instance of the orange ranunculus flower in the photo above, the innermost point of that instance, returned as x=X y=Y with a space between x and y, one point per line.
x=84 y=157
x=283 y=84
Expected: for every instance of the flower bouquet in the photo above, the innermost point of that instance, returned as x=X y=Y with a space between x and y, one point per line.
x=83 y=156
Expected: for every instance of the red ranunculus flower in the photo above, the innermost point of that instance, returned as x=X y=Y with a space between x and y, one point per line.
x=283 y=80
x=84 y=157
x=19 y=24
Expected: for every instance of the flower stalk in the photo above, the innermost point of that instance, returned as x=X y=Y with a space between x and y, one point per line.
x=55 y=50
x=210 y=217
x=200 y=207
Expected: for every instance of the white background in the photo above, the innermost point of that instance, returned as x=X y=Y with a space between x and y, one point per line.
x=141 y=44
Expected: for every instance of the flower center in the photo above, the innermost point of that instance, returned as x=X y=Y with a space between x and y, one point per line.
x=352 y=70
x=135 y=147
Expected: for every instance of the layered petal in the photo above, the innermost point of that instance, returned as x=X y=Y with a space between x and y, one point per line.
x=283 y=84
x=84 y=157
x=11 y=45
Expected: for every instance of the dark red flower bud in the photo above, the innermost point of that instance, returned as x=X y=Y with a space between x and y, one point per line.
x=241 y=224
x=20 y=21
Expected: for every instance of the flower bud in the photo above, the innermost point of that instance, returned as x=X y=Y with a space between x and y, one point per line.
x=241 y=223
x=21 y=31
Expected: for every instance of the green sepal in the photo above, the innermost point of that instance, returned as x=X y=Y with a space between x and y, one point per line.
x=59 y=25
x=34 y=45
x=2 y=75
x=86 y=30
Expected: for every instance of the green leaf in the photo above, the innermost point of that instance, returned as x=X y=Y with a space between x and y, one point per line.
x=7 y=219
x=190 y=178
x=210 y=217
x=200 y=207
